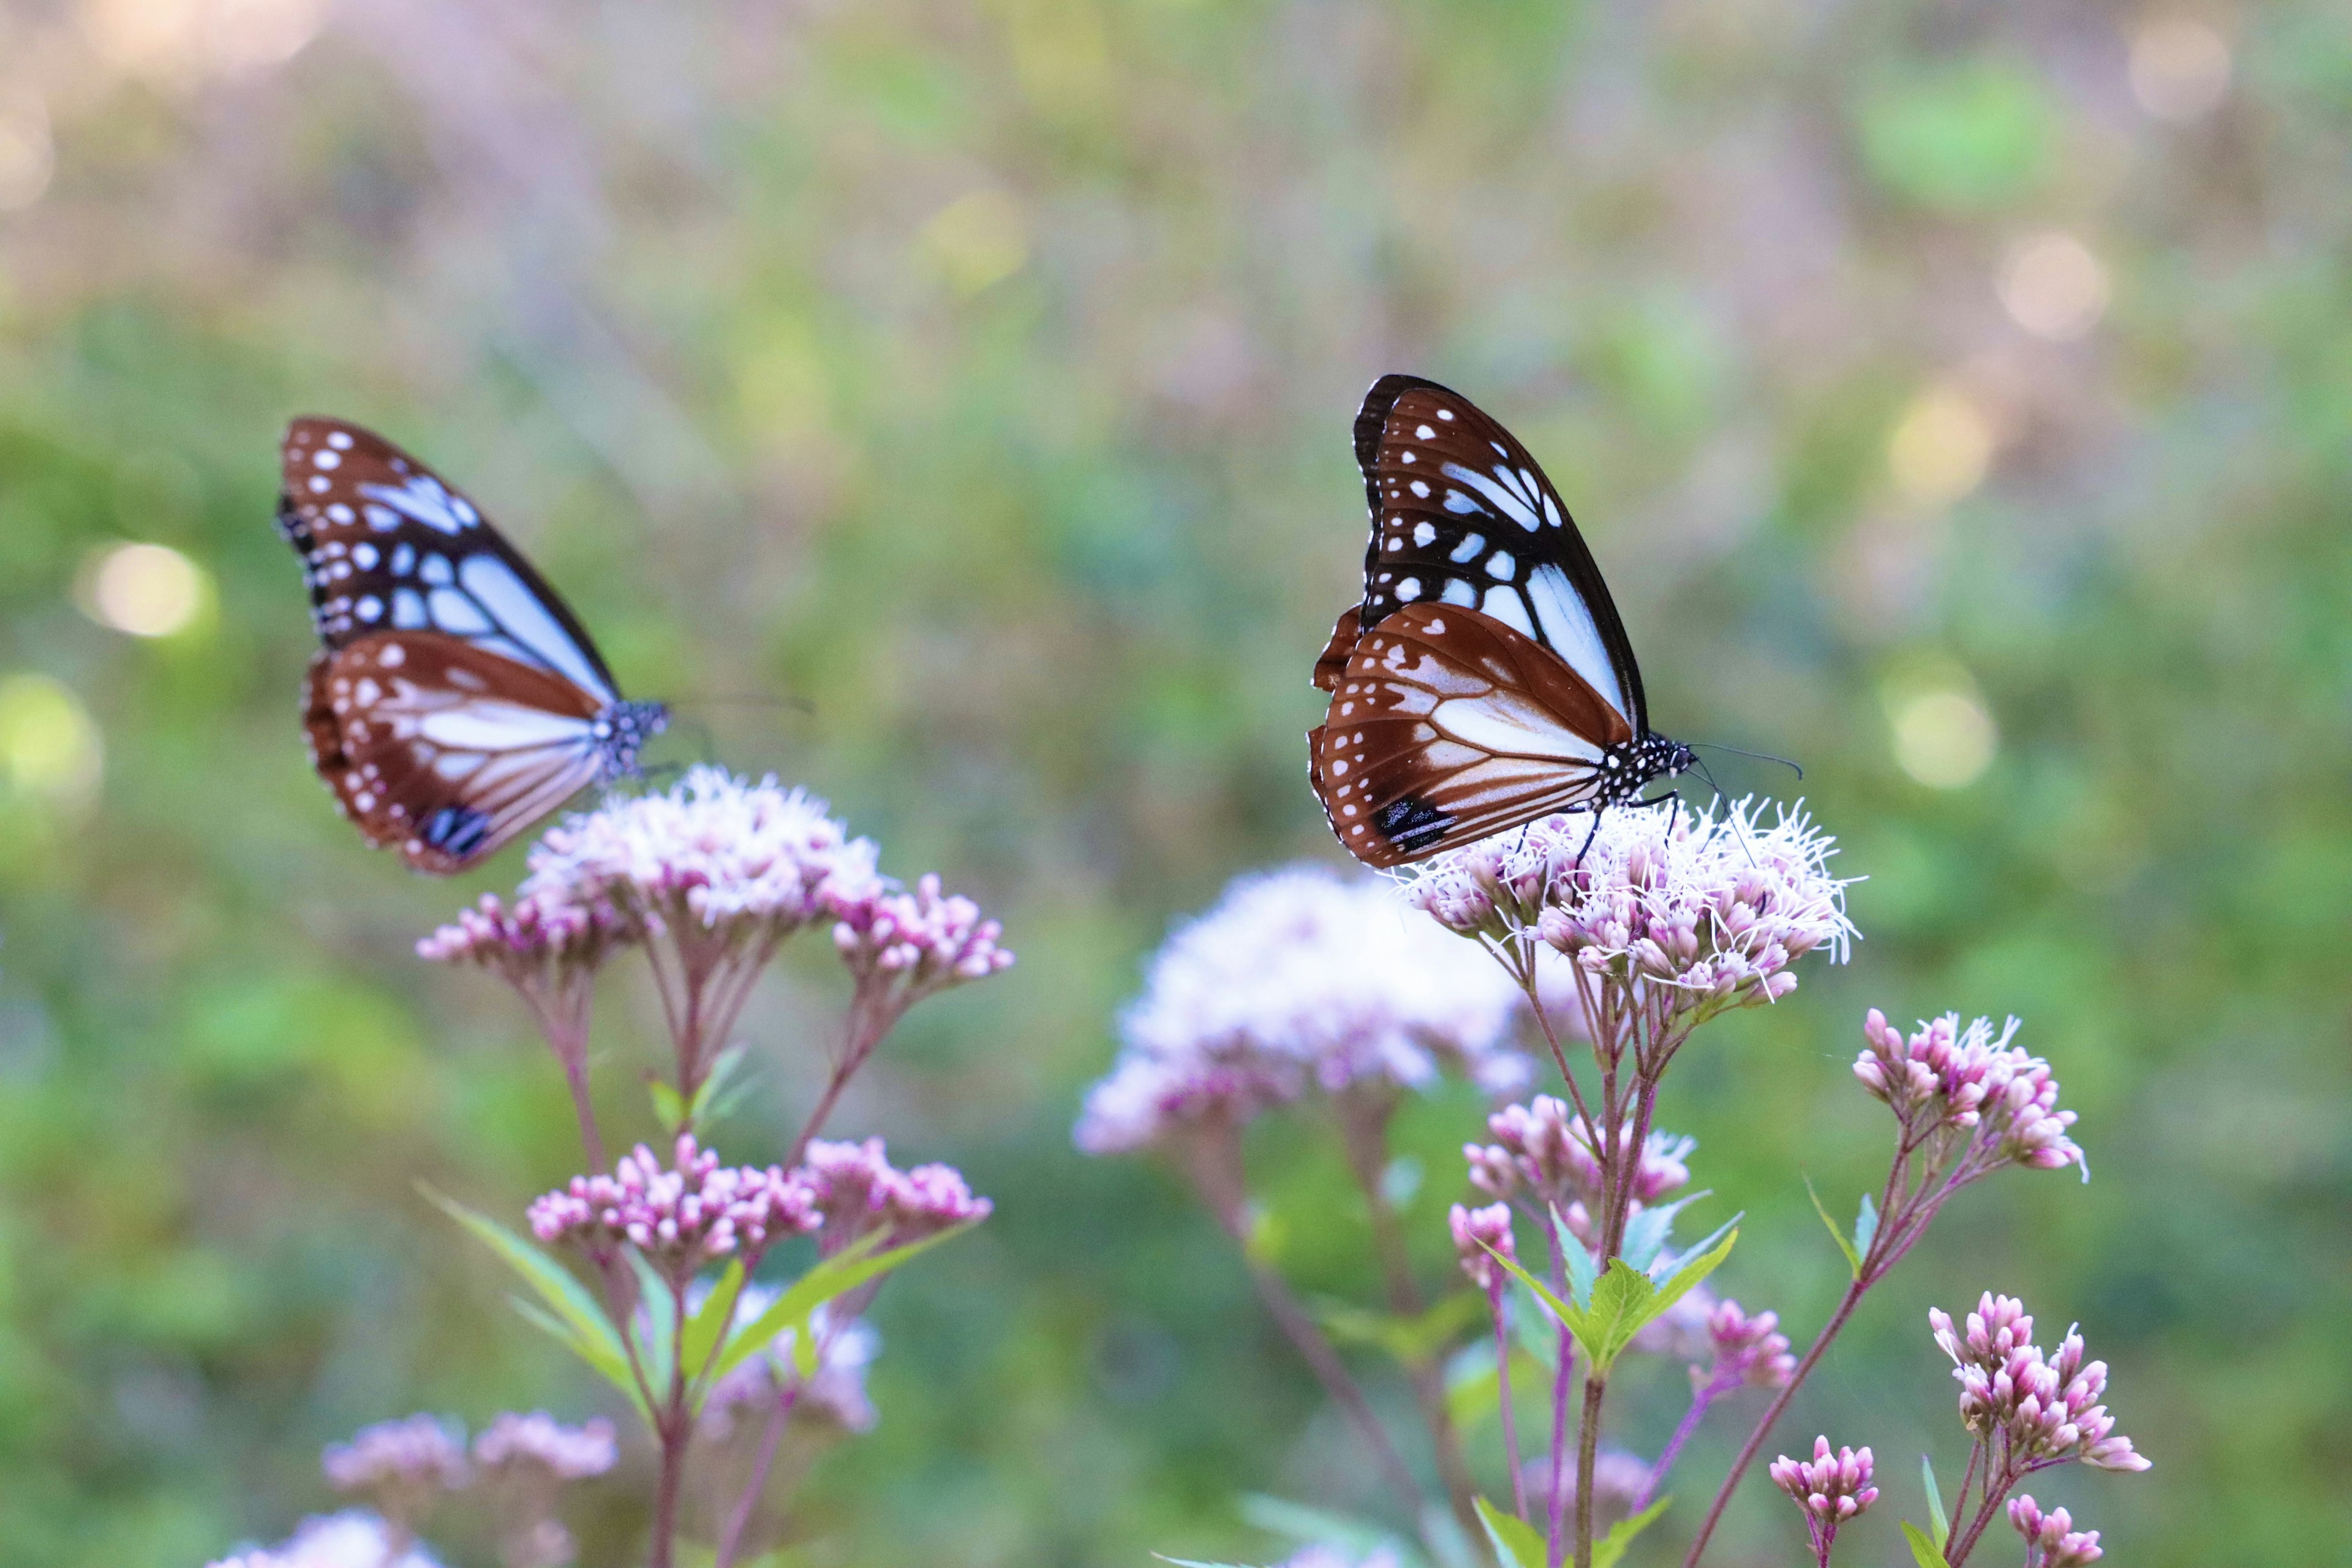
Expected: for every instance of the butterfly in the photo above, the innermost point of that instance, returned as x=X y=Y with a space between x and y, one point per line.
x=1485 y=680
x=455 y=699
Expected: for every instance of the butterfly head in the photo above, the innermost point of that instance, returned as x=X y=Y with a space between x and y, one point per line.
x=622 y=731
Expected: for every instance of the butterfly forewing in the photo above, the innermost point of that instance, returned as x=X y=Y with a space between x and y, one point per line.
x=455 y=700
x=388 y=545
x=1448 y=725
x=1462 y=515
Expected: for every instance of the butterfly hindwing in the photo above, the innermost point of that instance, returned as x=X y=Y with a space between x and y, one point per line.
x=1462 y=515
x=443 y=749
x=1448 y=725
x=388 y=545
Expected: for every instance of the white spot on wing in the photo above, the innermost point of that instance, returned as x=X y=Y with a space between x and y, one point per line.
x=424 y=499
x=482 y=726
x=1459 y=591
x=1469 y=547
x=1501 y=565
x=1568 y=626
x=1506 y=605
x=1409 y=590
x=1424 y=534
x=1505 y=500
x=518 y=610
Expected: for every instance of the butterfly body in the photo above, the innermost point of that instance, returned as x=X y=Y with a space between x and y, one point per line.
x=455 y=700
x=1485 y=680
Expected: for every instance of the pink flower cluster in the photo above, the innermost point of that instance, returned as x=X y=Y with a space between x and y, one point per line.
x=1713 y=908
x=1831 y=1487
x=2045 y=1410
x=854 y=1189
x=1298 y=981
x=539 y=1440
x=921 y=941
x=538 y=934
x=680 y=1218
x=1747 y=1350
x=714 y=850
x=1543 y=1147
x=2051 y=1539
x=1476 y=1230
x=419 y=1455
x=1969 y=1079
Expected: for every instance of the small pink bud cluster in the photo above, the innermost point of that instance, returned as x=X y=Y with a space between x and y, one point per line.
x=923 y=941
x=854 y=1189
x=1832 y=1488
x=2051 y=1539
x=1968 y=1079
x=1476 y=1230
x=1715 y=907
x=538 y=1439
x=1543 y=1146
x=1748 y=1350
x=681 y=1219
x=420 y=1454
x=2045 y=1409
x=539 y=933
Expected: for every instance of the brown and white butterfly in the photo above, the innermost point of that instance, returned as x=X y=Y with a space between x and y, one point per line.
x=454 y=700
x=1485 y=680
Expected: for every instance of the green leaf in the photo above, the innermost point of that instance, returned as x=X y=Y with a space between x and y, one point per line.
x=845 y=1271
x=1582 y=1272
x=1611 y=1546
x=1358 y=1537
x=1852 y=1257
x=1410 y=1340
x=586 y=1328
x=1517 y=1544
x=723 y=1090
x=1647 y=1233
x=1621 y=1303
x=1934 y=1500
x=1576 y=1320
x=1924 y=1552
x=669 y=1110
x=1865 y=1228
x=711 y=1319
x=1666 y=1268
x=607 y=1362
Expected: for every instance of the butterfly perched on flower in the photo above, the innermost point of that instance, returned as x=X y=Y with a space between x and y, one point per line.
x=1485 y=680
x=454 y=700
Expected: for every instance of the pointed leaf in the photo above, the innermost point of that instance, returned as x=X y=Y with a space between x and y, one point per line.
x=565 y=1297
x=1535 y=1329
x=1924 y=1552
x=711 y=1319
x=725 y=1086
x=669 y=1110
x=1574 y=1319
x=1621 y=1303
x=1611 y=1546
x=607 y=1363
x=1852 y=1257
x=1667 y=1267
x=1359 y=1537
x=1647 y=1233
x=1583 y=1273
x=1866 y=1226
x=1517 y=1544
x=1934 y=1500
x=845 y=1271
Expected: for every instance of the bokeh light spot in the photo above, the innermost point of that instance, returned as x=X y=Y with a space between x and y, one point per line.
x=2179 y=70
x=1941 y=447
x=49 y=746
x=1943 y=734
x=146 y=590
x=977 y=240
x=2053 y=287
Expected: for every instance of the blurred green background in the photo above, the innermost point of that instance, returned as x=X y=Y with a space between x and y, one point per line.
x=1960 y=396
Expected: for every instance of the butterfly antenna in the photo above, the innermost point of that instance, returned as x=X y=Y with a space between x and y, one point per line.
x=1698 y=766
x=1759 y=756
x=747 y=700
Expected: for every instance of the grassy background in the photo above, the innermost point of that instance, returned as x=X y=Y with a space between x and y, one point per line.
x=980 y=374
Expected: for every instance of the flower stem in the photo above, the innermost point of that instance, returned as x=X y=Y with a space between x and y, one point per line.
x=1702 y=1397
x=1587 y=1448
x=1847 y=1304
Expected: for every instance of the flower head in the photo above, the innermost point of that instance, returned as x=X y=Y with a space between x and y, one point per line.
x=2043 y=1409
x=538 y=934
x=1713 y=908
x=353 y=1539
x=856 y=1189
x=2051 y=1539
x=1831 y=1487
x=1544 y=1147
x=1478 y=1235
x=917 y=943
x=680 y=1218
x=1968 y=1080
x=538 y=1439
x=1298 y=980
x=402 y=1468
x=714 y=850
x=1747 y=1350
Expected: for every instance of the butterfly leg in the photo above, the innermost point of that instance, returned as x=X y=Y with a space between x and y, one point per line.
x=1594 y=832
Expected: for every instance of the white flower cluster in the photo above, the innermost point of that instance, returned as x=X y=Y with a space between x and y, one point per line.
x=1299 y=979
x=1716 y=907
